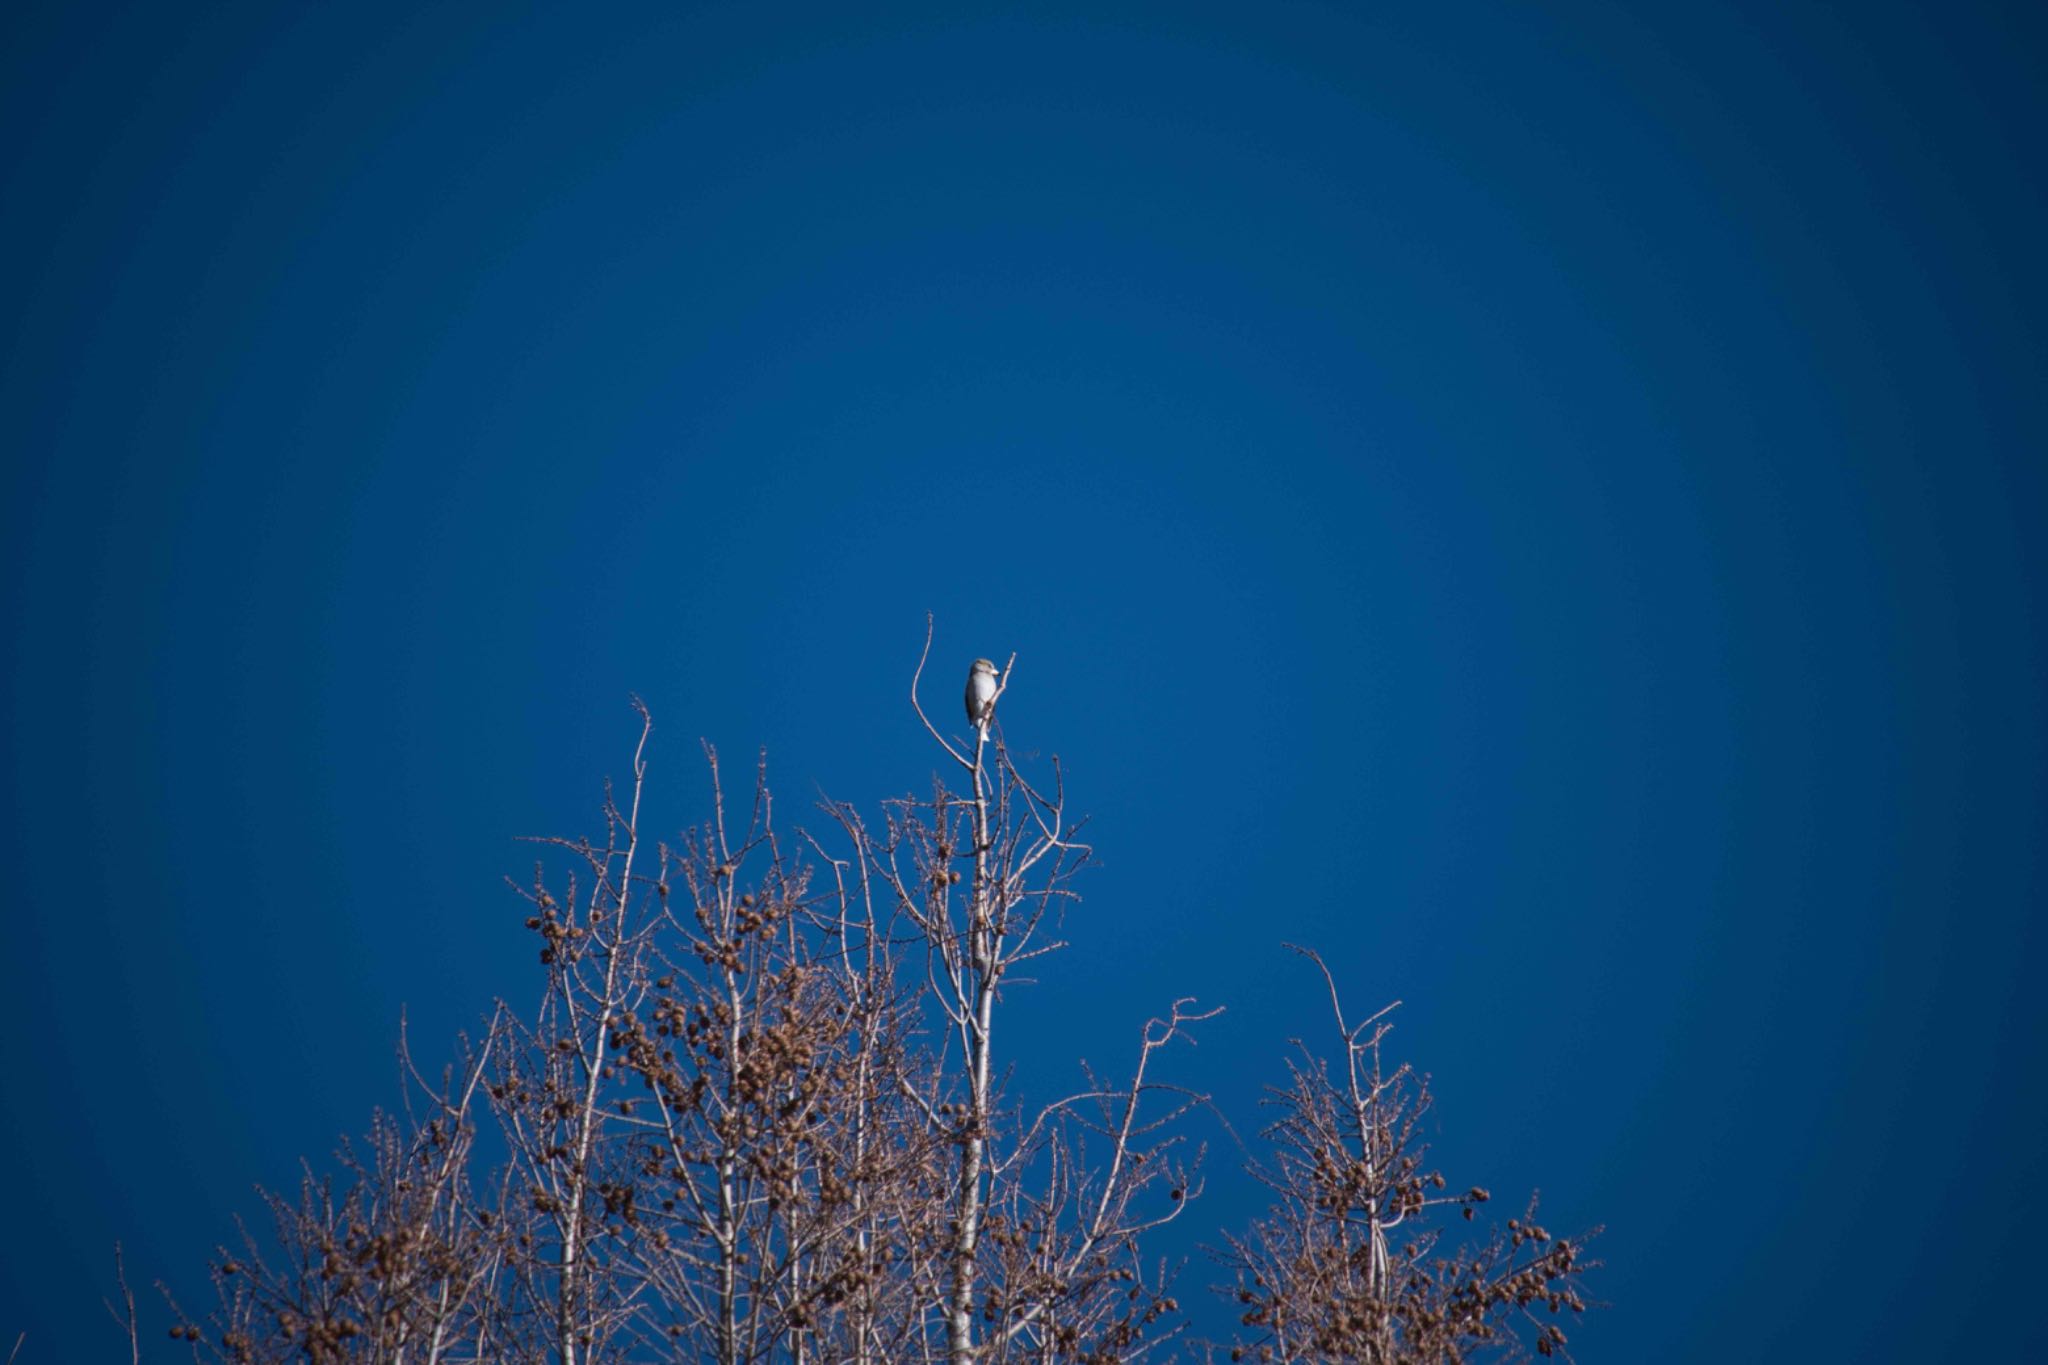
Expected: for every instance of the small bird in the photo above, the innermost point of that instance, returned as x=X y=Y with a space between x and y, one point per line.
x=981 y=693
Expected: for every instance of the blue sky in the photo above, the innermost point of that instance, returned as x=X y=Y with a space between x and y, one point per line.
x=1545 y=507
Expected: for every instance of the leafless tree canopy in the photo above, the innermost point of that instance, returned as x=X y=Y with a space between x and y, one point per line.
x=1349 y=1263
x=754 y=1111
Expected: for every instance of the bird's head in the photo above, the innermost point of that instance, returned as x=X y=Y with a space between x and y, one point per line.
x=983 y=666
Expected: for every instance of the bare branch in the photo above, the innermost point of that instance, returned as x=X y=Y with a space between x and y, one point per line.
x=918 y=706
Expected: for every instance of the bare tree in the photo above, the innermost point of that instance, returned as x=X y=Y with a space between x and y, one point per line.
x=388 y=1258
x=771 y=1027
x=562 y=1291
x=760 y=1111
x=1348 y=1264
x=1039 y=1256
